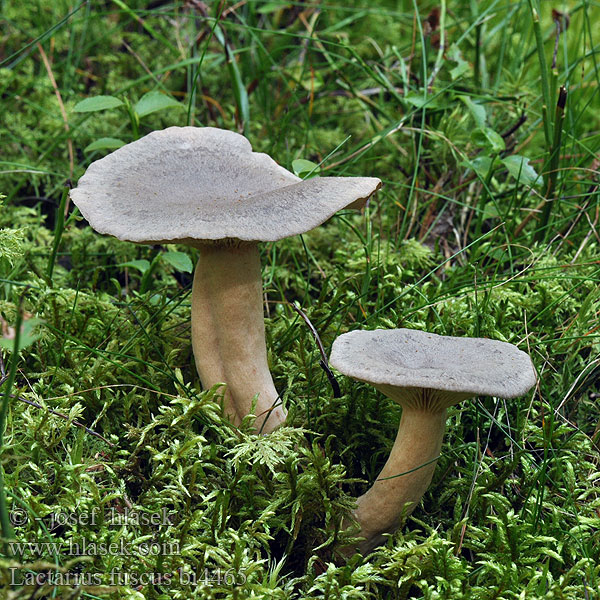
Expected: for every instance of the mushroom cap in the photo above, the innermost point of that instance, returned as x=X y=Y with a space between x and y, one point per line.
x=190 y=184
x=458 y=367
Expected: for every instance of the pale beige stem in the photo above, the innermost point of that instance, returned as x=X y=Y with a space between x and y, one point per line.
x=404 y=478
x=228 y=332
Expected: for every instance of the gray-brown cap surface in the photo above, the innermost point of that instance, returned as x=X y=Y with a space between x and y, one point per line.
x=187 y=184
x=407 y=358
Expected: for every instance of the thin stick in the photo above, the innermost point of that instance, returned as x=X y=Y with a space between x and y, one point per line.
x=4 y=377
x=63 y=416
x=62 y=111
x=324 y=362
x=542 y=232
x=59 y=228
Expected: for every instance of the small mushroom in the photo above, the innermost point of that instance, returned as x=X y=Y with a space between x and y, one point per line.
x=424 y=373
x=205 y=187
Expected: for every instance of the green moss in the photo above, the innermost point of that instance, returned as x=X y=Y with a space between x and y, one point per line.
x=513 y=508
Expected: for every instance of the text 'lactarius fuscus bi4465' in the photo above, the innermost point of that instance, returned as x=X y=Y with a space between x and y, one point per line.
x=205 y=187
x=425 y=373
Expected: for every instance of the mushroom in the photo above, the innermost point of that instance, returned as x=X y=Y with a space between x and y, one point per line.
x=425 y=373
x=204 y=187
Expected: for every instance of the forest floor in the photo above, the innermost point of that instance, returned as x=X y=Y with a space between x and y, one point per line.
x=122 y=476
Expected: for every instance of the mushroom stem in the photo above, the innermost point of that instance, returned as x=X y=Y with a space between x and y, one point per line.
x=404 y=478
x=228 y=332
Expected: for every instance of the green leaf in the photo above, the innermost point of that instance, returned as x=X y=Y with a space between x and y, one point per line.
x=97 y=103
x=481 y=165
x=303 y=167
x=141 y=265
x=462 y=66
x=519 y=167
x=153 y=101
x=271 y=7
x=239 y=89
x=218 y=33
x=420 y=101
x=27 y=337
x=490 y=211
x=485 y=137
x=311 y=82
x=179 y=260
x=155 y=299
x=105 y=143
x=477 y=111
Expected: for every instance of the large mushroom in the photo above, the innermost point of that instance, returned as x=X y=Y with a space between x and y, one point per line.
x=204 y=187
x=425 y=373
